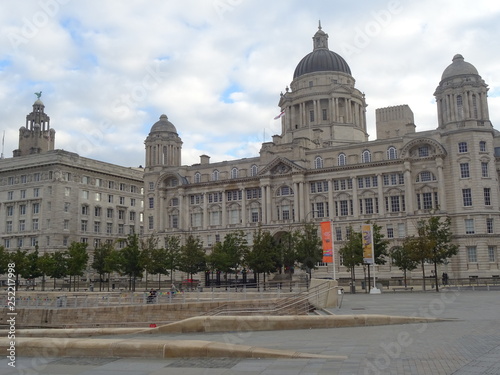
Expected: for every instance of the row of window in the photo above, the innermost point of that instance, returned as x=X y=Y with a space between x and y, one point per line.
x=23 y=195
x=35 y=209
x=85 y=210
x=465 y=170
x=472 y=254
x=84 y=227
x=467 y=197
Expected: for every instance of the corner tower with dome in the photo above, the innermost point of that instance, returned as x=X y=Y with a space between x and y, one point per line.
x=323 y=167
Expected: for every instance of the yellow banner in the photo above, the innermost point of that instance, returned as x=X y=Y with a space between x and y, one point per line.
x=367 y=240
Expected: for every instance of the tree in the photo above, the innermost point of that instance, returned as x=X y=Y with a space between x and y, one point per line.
x=228 y=255
x=352 y=254
x=150 y=258
x=19 y=258
x=173 y=254
x=402 y=258
x=4 y=260
x=261 y=257
x=58 y=266
x=285 y=253
x=192 y=257
x=44 y=265
x=308 y=248
x=77 y=258
x=380 y=246
x=102 y=261
x=433 y=244
x=131 y=260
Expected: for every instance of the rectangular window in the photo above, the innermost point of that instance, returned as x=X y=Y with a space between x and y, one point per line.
x=121 y=229
x=109 y=213
x=462 y=147
x=10 y=210
x=489 y=225
x=36 y=208
x=492 y=253
x=487 y=196
x=8 y=226
x=344 y=208
x=132 y=202
x=401 y=230
x=122 y=200
x=320 y=209
x=469 y=226
x=360 y=182
x=121 y=214
x=24 y=179
x=174 y=221
x=85 y=210
x=131 y=216
x=122 y=186
x=467 y=197
x=151 y=222
x=151 y=203
x=482 y=146
x=215 y=218
x=464 y=170
x=109 y=228
x=311 y=116
x=324 y=114
x=97 y=211
x=151 y=186
x=35 y=224
x=390 y=231
x=255 y=215
x=234 y=216
x=22 y=209
x=395 y=207
x=196 y=219
x=67 y=191
x=10 y=195
x=253 y=193
x=97 y=227
x=66 y=224
x=84 y=224
x=85 y=194
x=423 y=151
x=471 y=254
x=369 y=205
x=98 y=197
x=484 y=169
x=427 y=201
x=23 y=194
x=338 y=233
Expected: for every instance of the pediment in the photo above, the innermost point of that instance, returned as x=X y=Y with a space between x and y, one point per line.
x=280 y=166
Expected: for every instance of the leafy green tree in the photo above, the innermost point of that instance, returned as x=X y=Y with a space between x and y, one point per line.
x=58 y=266
x=173 y=254
x=4 y=260
x=19 y=258
x=77 y=258
x=380 y=246
x=148 y=259
x=131 y=260
x=192 y=257
x=402 y=258
x=228 y=255
x=308 y=248
x=261 y=257
x=285 y=251
x=433 y=243
x=44 y=265
x=102 y=261
x=352 y=254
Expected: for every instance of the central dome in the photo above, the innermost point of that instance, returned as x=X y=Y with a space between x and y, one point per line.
x=163 y=125
x=321 y=59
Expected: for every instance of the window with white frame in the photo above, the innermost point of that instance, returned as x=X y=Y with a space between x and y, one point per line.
x=392 y=153
x=487 y=196
x=197 y=177
x=341 y=160
x=469 y=226
x=471 y=254
x=484 y=169
x=254 y=170
x=234 y=172
x=482 y=146
x=464 y=170
x=366 y=156
x=215 y=175
x=489 y=225
x=467 y=197
x=318 y=162
x=462 y=147
x=492 y=256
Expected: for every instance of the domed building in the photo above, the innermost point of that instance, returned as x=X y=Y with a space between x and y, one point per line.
x=322 y=167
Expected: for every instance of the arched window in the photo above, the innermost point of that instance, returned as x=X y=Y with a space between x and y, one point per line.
x=234 y=172
x=284 y=190
x=392 y=153
x=341 y=160
x=197 y=177
x=215 y=175
x=426 y=176
x=254 y=170
x=318 y=162
x=366 y=157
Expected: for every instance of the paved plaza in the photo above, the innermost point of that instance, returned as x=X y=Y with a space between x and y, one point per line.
x=467 y=342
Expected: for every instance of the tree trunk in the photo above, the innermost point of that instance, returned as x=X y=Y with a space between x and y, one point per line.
x=423 y=277
x=436 y=275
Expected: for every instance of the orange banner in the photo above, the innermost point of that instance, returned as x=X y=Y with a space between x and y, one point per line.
x=326 y=238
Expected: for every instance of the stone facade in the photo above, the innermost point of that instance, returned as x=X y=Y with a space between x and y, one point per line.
x=322 y=167
x=51 y=198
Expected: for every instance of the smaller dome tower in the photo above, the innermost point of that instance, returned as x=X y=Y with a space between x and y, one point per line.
x=461 y=97
x=163 y=145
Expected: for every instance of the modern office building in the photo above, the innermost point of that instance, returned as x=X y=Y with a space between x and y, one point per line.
x=323 y=167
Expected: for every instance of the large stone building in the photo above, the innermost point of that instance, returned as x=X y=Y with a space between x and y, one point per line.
x=323 y=167
x=51 y=198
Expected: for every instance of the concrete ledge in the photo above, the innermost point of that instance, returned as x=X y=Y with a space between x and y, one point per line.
x=37 y=347
x=271 y=323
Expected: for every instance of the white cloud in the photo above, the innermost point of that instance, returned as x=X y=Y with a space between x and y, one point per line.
x=109 y=69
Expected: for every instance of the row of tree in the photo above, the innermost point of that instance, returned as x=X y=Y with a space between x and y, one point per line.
x=140 y=258
x=431 y=245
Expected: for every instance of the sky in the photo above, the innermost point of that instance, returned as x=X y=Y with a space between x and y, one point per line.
x=109 y=69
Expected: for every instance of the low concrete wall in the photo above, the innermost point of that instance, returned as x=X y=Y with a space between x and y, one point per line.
x=323 y=293
x=124 y=315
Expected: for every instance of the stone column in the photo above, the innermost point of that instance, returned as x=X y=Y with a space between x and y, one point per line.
x=224 y=213
x=244 y=214
x=331 y=209
x=409 y=191
x=206 y=219
x=355 y=203
x=381 y=202
x=441 y=184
